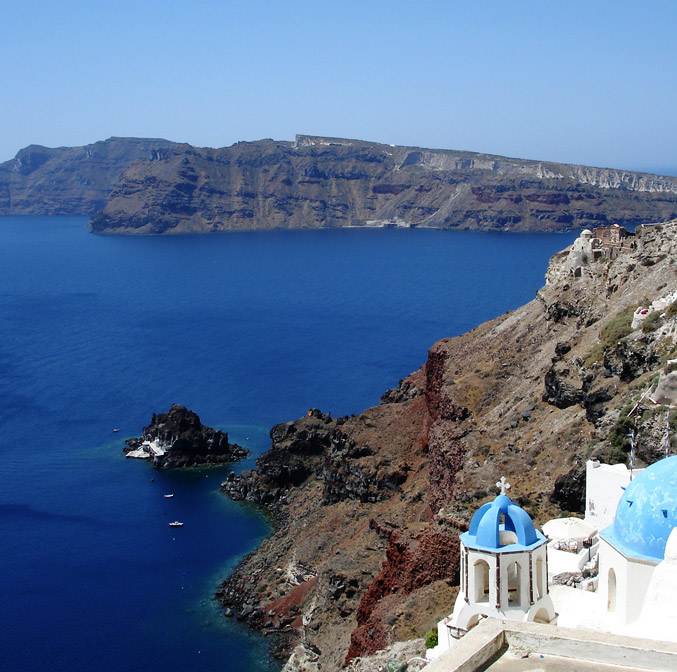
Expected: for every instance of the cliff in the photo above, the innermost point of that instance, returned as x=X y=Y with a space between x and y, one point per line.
x=70 y=180
x=178 y=439
x=332 y=182
x=369 y=508
x=137 y=185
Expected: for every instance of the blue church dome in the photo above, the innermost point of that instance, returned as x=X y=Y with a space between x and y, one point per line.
x=502 y=525
x=646 y=512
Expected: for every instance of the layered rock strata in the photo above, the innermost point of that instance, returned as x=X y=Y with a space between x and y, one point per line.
x=333 y=182
x=70 y=180
x=145 y=185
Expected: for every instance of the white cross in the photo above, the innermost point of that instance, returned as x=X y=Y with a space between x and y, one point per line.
x=503 y=484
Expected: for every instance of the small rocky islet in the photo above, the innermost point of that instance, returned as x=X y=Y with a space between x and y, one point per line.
x=178 y=439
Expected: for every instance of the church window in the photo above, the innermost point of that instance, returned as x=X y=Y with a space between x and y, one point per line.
x=481 y=570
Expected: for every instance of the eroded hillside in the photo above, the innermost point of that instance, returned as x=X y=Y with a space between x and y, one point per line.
x=369 y=508
x=70 y=180
x=142 y=185
x=332 y=182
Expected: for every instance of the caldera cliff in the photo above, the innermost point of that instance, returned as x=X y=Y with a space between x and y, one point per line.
x=154 y=186
x=333 y=182
x=70 y=180
x=369 y=508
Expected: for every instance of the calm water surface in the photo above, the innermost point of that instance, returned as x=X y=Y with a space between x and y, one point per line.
x=248 y=330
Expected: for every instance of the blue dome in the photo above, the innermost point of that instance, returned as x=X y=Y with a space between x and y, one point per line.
x=646 y=512
x=498 y=516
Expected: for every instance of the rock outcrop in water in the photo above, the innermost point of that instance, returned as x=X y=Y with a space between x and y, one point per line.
x=178 y=439
x=369 y=508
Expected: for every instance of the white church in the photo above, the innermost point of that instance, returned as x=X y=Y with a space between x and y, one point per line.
x=503 y=569
x=628 y=536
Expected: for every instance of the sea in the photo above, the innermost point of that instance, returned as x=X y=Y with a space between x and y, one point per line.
x=249 y=329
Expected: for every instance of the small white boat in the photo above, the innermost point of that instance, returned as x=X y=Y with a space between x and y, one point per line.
x=168 y=496
x=116 y=429
x=176 y=523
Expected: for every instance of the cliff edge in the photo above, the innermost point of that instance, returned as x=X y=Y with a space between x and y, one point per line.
x=154 y=186
x=333 y=182
x=70 y=180
x=369 y=508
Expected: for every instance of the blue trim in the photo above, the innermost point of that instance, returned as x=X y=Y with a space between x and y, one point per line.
x=495 y=517
x=470 y=542
x=608 y=535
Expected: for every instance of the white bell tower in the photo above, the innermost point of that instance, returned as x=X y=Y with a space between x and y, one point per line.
x=504 y=570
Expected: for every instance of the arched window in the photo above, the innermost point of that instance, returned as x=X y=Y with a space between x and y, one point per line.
x=540 y=578
x=514 y=584
x=541 y=616
x=611 y=602
x=481 y=575
x=507 y=537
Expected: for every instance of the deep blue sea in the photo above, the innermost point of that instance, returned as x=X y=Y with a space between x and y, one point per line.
x=246 y=329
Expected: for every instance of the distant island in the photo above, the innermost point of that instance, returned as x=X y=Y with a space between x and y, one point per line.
x=154 y=186
x=70 y=180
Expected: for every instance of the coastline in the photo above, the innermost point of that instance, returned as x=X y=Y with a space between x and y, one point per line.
x=370 y=507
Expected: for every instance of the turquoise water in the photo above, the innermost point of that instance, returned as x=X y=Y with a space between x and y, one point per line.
x=248 y=330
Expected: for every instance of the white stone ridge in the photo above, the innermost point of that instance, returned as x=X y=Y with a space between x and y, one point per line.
x=658 y=305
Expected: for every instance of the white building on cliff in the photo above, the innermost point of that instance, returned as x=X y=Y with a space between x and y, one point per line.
x=504 y=569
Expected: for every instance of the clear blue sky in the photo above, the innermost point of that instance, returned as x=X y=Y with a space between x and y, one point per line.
x=590 y=81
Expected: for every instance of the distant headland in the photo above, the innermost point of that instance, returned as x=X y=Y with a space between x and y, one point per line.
x=154 y=186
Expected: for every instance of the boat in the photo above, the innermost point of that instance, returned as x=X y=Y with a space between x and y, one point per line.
x=116 y=429
x=168 y=496
x=176 y=523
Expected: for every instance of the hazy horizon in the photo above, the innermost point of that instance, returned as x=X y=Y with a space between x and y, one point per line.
x=577 y=83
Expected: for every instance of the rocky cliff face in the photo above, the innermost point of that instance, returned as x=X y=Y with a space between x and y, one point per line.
x=70 y=180
x=178 y=439
x=369 y=508
x=329 y=182
x=135 y=185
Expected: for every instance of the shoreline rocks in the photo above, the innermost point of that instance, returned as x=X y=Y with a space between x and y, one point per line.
x=367 y=510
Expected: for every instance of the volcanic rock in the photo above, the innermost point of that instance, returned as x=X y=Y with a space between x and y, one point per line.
x=178 y=439
x=372 y=506
x=319 y=182
x=70 y=180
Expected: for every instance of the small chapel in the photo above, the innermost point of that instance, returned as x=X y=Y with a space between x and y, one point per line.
x=504 y=570
x=504 y=561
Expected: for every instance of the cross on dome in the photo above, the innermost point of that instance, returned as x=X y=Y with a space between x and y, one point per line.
x=503 y=484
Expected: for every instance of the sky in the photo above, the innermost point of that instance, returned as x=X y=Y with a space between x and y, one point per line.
x=583 y=81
